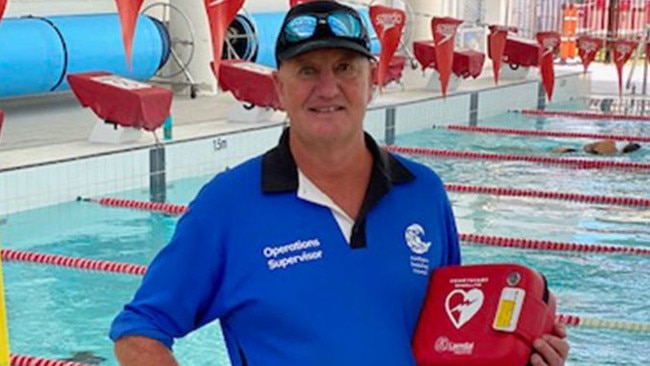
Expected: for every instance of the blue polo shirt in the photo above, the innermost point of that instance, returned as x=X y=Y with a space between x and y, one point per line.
x=277 y=271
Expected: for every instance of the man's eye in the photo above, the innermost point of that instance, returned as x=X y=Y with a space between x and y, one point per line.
x=344 y=67
x=307 y=71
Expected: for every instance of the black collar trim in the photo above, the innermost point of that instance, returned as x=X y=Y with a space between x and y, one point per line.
x=280 y=174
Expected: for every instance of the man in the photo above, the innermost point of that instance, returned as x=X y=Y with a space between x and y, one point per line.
x=317 y=252
x=610 y=147
x=602 y=147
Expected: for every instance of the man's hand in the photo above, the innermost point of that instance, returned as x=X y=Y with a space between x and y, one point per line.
x=551 y=349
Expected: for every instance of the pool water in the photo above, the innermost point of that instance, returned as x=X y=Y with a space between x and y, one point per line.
x=55 y=312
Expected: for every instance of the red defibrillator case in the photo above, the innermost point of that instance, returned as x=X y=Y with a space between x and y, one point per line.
x=482 y=315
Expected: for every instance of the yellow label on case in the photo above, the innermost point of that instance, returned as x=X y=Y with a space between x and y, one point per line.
x=504 y=313
x=507 y=315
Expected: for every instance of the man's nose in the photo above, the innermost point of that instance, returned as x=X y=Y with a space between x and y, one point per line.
x=327 y=84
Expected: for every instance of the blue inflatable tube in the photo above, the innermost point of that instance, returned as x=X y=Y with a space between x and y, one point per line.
x=36 y=53
x=32 y=58
x=267 y=26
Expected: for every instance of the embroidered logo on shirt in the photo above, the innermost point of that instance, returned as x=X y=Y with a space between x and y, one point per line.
x=300 y=251
x=413 y=236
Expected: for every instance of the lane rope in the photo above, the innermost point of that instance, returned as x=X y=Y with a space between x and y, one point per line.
x=588 y=115
x=563 y=196
x=160 y=207
x=22 y=360
x=506 y=242
x=73 y=262
x=176 y=209
x=18 y=360
x=576 y=321
x=496 y=241
x=566 y=162
x=521 y=132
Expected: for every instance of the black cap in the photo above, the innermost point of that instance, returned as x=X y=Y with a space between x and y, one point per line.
x=631 y=147
x=323 y=37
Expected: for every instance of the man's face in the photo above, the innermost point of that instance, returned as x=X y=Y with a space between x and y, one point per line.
x=325 y=93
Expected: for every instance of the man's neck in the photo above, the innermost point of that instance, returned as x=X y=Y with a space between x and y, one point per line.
x=341 y=171
x=323 y=161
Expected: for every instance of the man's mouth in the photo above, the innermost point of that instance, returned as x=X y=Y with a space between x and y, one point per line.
x=331 y=109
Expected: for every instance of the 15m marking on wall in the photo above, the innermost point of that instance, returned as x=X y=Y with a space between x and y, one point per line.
x=219 y=144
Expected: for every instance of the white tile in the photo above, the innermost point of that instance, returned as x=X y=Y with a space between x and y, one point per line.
x=518 y=96
x=375 y=123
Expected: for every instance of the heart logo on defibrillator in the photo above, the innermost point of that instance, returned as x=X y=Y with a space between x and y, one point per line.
x=462 y=305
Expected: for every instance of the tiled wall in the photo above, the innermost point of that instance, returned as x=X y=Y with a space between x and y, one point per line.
x=212 y=155
x=570 y=87
x=418 y=116
x=496 y=101
x=33 y=187
x=375 y=123
x=38 y=186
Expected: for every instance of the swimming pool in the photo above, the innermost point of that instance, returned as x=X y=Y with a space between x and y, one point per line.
x=79 y=305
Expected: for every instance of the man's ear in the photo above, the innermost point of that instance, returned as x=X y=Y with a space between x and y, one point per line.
x=371 y=83
x=277 y=83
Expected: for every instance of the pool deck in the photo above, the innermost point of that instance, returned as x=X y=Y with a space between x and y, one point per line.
x=54 y=127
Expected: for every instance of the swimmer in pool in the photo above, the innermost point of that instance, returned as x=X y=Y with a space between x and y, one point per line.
x=602 y=147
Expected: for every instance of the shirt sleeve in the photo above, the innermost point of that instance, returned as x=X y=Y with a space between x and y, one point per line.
x=179 y=290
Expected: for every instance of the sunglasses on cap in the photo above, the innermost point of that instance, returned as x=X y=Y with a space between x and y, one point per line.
x=339 y=23
x=319 y=25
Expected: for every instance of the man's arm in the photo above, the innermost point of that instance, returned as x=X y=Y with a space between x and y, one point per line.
x=142 y=351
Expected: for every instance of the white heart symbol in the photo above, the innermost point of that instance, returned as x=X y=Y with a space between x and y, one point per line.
x=465 y=309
